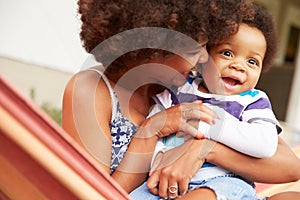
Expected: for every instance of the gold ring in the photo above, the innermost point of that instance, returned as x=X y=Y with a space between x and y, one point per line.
x=172 y=189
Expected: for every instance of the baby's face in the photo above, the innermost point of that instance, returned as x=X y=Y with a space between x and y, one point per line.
x=236 y=63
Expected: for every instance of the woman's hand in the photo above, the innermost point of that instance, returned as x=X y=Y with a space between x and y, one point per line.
x=176 y=167
x=175 y=119
x=284 y=164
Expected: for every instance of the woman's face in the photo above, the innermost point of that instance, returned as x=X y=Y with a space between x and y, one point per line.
x=235 y=64
x=166 y=70
x=177 y=68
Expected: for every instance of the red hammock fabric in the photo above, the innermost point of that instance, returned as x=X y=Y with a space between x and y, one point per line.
x=40 y=161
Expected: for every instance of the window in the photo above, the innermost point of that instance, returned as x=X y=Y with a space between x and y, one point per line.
x=292 y=46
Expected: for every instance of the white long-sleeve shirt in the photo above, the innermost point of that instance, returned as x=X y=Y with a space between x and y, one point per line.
x=247 y=122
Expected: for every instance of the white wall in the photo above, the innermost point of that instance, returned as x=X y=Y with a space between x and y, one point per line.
x=47 y=83
x=42 y=32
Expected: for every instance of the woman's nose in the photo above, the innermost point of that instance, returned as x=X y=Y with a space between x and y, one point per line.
x=203 y=55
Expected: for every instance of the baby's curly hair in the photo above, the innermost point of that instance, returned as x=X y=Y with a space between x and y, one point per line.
x=216 y=19
x=257 y=17
x=263 y=21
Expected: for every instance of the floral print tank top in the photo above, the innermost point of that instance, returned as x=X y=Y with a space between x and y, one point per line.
x=122 y=130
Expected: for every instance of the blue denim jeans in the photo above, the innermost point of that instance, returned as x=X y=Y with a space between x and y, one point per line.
x=228 y=187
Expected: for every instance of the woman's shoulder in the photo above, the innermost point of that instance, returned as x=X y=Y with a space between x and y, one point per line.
x=87 y=82
x=86 y=103
x=85 y=89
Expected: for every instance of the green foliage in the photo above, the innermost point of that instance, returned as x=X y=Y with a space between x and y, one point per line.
x=54 y=113
x=32 y=93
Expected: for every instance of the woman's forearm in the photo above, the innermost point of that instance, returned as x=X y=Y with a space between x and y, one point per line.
x=135 y=166
x=282 y=167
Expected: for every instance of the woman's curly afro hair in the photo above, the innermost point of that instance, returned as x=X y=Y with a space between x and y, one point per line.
x=216 y=19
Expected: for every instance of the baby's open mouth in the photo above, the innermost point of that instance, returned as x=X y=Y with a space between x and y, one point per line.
x=230 y=81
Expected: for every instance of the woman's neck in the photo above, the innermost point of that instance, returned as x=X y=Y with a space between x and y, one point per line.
x=141 y=101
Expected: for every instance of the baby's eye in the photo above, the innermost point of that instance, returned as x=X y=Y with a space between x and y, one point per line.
x=253 y=62
x=227 y=53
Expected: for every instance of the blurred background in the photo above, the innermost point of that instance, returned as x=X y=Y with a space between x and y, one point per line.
x=40 y=49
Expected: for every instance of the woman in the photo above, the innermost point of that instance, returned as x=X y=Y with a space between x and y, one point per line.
x=104 y=108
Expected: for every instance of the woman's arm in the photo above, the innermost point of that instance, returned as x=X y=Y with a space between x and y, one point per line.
x=284 y=164
x=175 y=167
x=179 y=171
x=136 y=164
x=79 y=116
x=87 y=114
